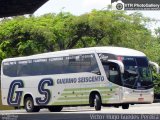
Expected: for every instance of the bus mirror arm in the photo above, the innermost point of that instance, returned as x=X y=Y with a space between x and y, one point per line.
x=156 y=65
x=120 y=64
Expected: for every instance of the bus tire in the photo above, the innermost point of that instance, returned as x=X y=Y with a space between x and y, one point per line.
x=125 y=106
x=97 y=102
x=29 y=105
x=55 y=108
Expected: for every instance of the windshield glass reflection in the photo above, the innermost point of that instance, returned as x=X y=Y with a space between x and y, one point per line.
x=137 y=73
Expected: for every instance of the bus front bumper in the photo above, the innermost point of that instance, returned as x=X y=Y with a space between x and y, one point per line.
x=138 y=97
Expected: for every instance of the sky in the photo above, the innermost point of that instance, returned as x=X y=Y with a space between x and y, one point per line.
x=78 y=7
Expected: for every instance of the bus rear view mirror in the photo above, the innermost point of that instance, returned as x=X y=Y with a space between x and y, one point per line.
x=119 y=63
x=155 y=65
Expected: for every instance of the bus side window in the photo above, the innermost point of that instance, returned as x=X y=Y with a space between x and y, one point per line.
x=22 y=70
x=54 y=67
x=80 y=63
x=89 y=64
x=71 y=64
x=10 y=70
x=114 y=74
x=37 y=68
x=94 y=64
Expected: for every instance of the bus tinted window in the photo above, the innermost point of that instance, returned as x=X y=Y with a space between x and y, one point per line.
x=72 y=64
x=128 y=61
x=10 y=69
x=89 y=64
x=38 y=68
x=80 y=63
x=24 y=70
x=54 y=66
x=47 y=66
x=142 y=62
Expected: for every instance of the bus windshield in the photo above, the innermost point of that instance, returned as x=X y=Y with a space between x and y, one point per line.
x=137 y=73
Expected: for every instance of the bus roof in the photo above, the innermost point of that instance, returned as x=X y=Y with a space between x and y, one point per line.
x=119 y=51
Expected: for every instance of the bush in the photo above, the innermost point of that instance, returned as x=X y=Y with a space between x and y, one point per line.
x=156 y=78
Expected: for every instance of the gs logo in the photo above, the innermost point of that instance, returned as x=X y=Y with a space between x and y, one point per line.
x=14 y=97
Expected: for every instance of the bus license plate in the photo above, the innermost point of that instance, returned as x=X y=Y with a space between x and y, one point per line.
x=140 y=99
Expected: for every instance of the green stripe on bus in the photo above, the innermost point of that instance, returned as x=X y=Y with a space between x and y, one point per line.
x=71 y=103
x=99 y=88
x=75 y=98
x=86 y=93
x=80 y=97
x=75 y=93
x=105 y=101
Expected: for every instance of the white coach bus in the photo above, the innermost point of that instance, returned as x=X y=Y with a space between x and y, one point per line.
x=98 y=76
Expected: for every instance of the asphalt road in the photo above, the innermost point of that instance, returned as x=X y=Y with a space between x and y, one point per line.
x=135 y=112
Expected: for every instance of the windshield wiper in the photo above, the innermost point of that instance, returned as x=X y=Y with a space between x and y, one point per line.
x=133 y=79
x=136 y=82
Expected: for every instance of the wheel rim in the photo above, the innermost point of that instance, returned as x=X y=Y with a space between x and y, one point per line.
x=29 y=104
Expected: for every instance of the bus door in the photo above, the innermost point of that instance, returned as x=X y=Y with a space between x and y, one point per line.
x=113 y=75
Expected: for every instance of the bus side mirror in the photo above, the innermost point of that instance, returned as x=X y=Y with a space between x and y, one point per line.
x=119 y=63
x=156 y=66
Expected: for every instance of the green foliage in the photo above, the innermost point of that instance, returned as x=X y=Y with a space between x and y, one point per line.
x=156 y=78
x=22 y=36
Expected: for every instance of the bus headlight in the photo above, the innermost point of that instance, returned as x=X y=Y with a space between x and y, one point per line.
x=152 y=93
x=126 y=92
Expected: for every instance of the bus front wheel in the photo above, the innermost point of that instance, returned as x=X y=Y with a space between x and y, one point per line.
x=29 y=105
x=55 y=108
x=97 y=102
